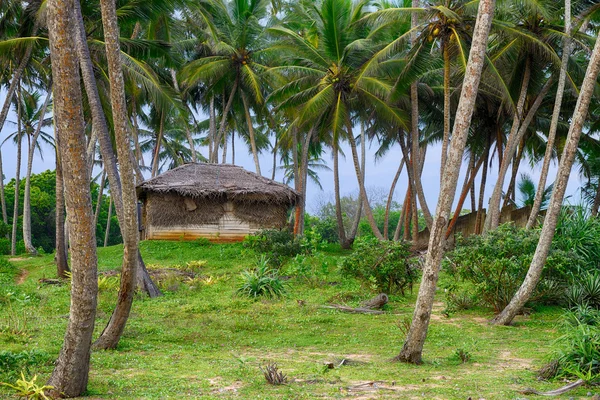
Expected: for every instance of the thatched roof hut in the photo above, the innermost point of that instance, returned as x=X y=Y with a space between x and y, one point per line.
x=221 y=202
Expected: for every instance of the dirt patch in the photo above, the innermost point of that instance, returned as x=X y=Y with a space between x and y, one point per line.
x=17 y=259
x=508 y=361
x=22 y=276
x=220 y=388
x=376 y=389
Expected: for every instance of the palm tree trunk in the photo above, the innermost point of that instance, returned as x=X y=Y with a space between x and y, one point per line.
x=413 y=346
x=107 y=232
x=303 y=176
x=221 y=133
x=539 y=195
x=446 y=138
x=188 y=134
x=338 y=203
x=99 y=200
x=493 y=218
x=27 y=198
x=2 y=197
x=212 y=131
x=13 y=245
x=461 y=200
x=388 y=204
x=511 y=192
x=251 y=133
x=112 y=333
x=100 y=126
x=275 y=148
x=61 y=257
x=156 y=153
x=297 y=180
x=70 y=375
x=361 y=184
x=564 y=170
x=479 y=217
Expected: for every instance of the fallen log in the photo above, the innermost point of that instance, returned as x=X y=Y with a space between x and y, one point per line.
x=377 y=302
x=556 y=392
x=357 y=310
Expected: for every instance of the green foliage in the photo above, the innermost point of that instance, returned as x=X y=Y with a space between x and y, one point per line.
x=278 y=245
x=585 y=291
x=261 y=281
x=312 y=269
x=30 y=390
x=578 y=235
x=11 y=362
x=491 y=268
x=108 y=283
x=326 y=227
x=577 y=351
x=385 y=266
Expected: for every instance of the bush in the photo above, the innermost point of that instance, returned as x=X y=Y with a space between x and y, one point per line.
x=279 y=245
x=385 y=265
x=261 y=281
x=312 y=269
x=492 y=267
x=585 y=291
x=326 y=227
x=578 y=234
x=578 y=349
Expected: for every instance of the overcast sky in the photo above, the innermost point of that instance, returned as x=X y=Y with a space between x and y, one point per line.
x=379 y=175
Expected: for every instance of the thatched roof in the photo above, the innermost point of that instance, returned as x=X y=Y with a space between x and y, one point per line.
x=201 y=180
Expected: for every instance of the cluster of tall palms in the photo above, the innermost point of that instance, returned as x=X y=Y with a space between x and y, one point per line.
x=172 y=81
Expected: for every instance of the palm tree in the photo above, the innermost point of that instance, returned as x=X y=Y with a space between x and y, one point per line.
x=328 y=82
x=564 y=170
x=32 y=117
x=236 y=65
x=413 y=346
x=70 y=375
x=527 y=190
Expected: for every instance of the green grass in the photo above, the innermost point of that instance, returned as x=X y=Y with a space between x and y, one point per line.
x=204 y=341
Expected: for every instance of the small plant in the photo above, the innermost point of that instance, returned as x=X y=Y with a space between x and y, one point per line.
x=273 y=375
x=108 y=283
x=29 y=389
x=194 y=266
x=261 y=281
x=462 y=355
x=404 y=325
x=16 y=317
x=385 y=266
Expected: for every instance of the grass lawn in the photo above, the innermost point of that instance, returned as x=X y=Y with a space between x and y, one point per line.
x=201 y=340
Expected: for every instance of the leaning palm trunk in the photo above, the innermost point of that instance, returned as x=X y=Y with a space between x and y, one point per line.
x=107 y=232
x=62 y=265
x=13 y=244
x=303 y=178
x=539 y=194
x=446 y=138
x=493 y=216
x=479 y=216
x=388 y=204
x=564 y=170
x=2 y=197
x=27 y=195
x=251 y=133
x=413 y=346
x=106 y=148
x=221 y=133
x=338 y=203
x=70 y=375
x=188 y=134
x=99 y=200
x=112 y=333
x=361 y=184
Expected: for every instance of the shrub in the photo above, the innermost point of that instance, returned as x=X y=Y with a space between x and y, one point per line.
x=585 y=291
x=326 y=227
x=312 y=269
x=577 y=351
x=29 y=390
x=385 y=265
x=578 y=234
x=261 y=281
x=279 y=245
x=492 y=267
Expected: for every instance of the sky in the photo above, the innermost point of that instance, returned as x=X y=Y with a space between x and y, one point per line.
x=379 y=174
